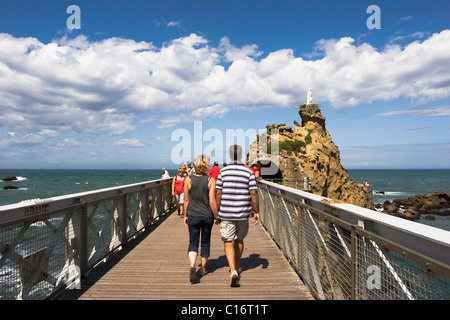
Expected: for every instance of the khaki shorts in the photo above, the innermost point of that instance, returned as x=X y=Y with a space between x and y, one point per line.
x=232 y=230
x=179 y=198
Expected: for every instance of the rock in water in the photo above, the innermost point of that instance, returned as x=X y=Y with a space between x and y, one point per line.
x=411 y=208
x=308 y=151
x=9 y=187
x=9 y=178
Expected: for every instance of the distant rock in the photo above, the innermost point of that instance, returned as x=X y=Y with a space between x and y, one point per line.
x=9 y=178
x=10 y=187
x=411 y=208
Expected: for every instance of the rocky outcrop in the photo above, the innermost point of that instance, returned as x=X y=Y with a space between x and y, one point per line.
x=9 y=178
x=411 y=208
x=307 y=150
x=10 y=187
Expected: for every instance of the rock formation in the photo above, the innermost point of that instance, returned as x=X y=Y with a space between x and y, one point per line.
x=411 y=208
x=9 y=178
x=10 y=187
x=307 y=150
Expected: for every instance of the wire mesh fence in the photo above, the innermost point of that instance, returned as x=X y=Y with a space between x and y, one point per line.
x=46 y=252
x=341 y=261
x=50 y=250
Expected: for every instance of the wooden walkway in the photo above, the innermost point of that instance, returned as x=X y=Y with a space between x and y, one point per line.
x=155 y=266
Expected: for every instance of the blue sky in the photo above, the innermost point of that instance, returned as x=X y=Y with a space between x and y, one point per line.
x=113 y=93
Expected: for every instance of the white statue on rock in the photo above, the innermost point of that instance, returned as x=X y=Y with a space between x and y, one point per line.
x=309 y=99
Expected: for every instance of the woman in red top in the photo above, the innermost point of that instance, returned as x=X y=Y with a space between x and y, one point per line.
x=178 y=191
x=255 y=168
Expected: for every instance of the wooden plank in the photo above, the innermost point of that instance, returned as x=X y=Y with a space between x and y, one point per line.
x=155 y=267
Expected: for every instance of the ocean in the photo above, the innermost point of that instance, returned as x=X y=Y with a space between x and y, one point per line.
x=405 y=183
x=33 y=184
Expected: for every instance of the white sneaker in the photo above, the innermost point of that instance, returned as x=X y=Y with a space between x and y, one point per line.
x=234 y=281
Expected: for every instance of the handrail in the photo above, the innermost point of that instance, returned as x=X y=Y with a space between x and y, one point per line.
x=343 y=251
x=339 y=250
x=49 y=245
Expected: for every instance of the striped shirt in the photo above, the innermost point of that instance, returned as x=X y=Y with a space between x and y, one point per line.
x=236 y=180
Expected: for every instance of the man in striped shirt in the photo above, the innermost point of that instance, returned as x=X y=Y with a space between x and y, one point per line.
x=236 y=189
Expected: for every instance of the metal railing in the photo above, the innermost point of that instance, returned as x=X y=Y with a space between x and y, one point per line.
x=301 y=184
x=346 y=252
x=49 y=245
x=340 y=251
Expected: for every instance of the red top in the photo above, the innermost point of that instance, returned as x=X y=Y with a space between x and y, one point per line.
x=179 y=185
x=254 y=170
x=214 y=172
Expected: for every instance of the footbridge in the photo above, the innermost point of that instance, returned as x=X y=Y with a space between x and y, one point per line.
x=128 y=243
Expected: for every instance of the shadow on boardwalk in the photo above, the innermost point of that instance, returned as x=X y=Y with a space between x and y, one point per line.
x=155 y=267
x=252 y=261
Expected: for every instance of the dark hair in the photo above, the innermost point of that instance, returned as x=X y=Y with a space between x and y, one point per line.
x=235 y=152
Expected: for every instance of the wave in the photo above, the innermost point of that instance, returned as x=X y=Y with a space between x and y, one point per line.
x=18 y=179
x=391 y=193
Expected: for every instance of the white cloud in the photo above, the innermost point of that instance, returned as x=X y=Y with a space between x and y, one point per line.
x=403 y=19
x=418 y=35
x=411 y=156
x=441 y=111
x=77 y=85
x=199 y=114
x=233 y=53
x=173 y=24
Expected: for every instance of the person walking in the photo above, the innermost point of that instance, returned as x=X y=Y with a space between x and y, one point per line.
x=164 y=173
x=189 y=169
x=200 y=211
x=178 y=191
x=236 y=190
x=214 y=171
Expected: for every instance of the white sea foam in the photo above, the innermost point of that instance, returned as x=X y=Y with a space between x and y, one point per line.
x=36 y=201
x=395 y=193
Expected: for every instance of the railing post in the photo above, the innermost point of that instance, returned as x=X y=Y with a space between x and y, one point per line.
x=79 y=240
x=147 y=208
x=161 y=202
x=84 y=241
x=354 y=262
x=123 y=221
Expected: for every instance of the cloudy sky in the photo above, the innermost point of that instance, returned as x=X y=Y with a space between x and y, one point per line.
x=113 y=84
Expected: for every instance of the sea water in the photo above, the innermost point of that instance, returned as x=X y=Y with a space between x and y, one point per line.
x=35 y=184
x=399 y=184
x=387 y=184
x=32 y=184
